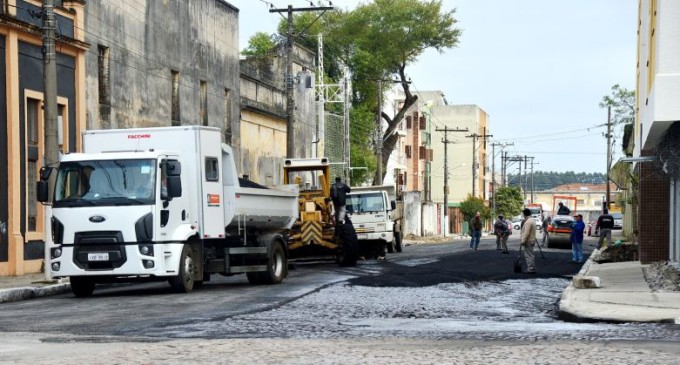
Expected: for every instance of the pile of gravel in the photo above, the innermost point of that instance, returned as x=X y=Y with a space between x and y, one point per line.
x=663 y=276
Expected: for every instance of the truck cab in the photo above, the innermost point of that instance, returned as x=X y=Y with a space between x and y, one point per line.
x=373 y=214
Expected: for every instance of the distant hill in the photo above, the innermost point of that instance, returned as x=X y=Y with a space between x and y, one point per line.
x=544 y=180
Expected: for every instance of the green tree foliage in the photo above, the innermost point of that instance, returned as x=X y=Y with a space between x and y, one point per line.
x=509 y=201
x=377 y=40
x=471 y=205
x=361 y=145
x=622 y=103
x=386 y=37
x=259 y=45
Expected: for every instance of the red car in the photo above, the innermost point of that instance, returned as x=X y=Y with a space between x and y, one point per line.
x=592 y=229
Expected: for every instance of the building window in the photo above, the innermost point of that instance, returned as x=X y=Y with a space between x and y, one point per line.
x=175 y=98
x=227 y=116
x=33 y=153
x=204 y=103
x=103 y=68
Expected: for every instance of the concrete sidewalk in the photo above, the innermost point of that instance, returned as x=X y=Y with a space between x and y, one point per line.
x=15 y=288
x=621 y=294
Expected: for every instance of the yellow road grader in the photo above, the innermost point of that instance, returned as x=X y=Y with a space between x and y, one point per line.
x=315 y=232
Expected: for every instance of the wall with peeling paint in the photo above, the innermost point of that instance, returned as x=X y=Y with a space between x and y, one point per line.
x=263 y=115
x=147 y=40
x=412 y=213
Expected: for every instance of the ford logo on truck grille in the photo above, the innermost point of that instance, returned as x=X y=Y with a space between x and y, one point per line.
x=97 y=219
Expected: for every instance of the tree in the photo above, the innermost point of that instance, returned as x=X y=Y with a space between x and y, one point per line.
x=377 y=40
x=622 y=103
x=259 y=45
x=471 y=205
x=389 y=35
x=509 y=201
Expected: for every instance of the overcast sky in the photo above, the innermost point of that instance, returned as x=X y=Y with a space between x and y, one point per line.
x=539 y=68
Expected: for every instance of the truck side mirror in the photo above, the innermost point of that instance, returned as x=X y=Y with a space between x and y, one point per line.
x=174 y=187
x=173 y=168
x=42 y=192
x=393 y=204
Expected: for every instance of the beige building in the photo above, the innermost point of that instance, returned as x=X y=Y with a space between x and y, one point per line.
x=460 y=152
x=263 y=114
x=589 y=198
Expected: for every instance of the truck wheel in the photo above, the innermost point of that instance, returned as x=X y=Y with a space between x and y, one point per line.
x=184 y=281
x=276 y=266
x=398 y=246
x=81 y=286
x=348 y=253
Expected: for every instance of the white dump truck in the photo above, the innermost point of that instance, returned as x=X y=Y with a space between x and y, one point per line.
x=162 y=204
x=374 y=215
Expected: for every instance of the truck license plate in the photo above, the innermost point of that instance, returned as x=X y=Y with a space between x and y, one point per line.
x=362 y=236
x=98 y=256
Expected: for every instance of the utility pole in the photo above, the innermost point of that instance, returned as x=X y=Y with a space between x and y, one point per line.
x=526 y=177
x=50 y=80
x=609 y=153
x=493 y=167
x=379 y=136
x=290 y=100
x=532 y=178
x=345 y=118
x=446 y=142
x=474 y=137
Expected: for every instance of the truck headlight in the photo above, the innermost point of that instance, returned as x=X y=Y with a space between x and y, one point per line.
x=56 y=252
x=56 y=266
x=146 y=250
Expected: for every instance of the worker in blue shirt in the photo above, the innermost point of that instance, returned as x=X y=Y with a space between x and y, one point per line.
x=577 y=229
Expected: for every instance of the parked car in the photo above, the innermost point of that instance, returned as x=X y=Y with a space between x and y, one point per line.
x=517 y=224
x=592 y=229
x=618 y=220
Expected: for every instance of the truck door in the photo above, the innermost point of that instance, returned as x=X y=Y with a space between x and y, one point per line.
x=172 y=211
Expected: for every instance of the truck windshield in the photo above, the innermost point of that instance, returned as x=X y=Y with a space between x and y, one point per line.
x=105 y=183
x=365 y=203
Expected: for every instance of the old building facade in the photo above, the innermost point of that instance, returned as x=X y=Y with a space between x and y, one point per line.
x=263 y=123
x=22 y=123
x=657 y=130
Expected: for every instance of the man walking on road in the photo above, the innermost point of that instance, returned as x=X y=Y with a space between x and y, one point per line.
x=527 y=239
x=577 y=239
x=605 y=223
x=476 y=225
x=545 y=224
x=339 y=191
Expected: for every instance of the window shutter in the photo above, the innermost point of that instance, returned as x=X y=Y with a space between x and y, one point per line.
x=423 y=123
x=408 y=151
x=408 y=122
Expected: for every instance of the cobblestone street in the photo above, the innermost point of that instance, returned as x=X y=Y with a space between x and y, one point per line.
x=60 y=350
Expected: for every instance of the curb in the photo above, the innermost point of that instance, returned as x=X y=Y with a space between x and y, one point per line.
x=565 y=313
x=24 y=293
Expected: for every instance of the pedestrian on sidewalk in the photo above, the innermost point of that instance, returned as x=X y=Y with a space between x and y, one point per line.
x=476 y=225
x=577 y=229
x=502 y=231
x=605 y=223
x=527 y=239
x=545 y=224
